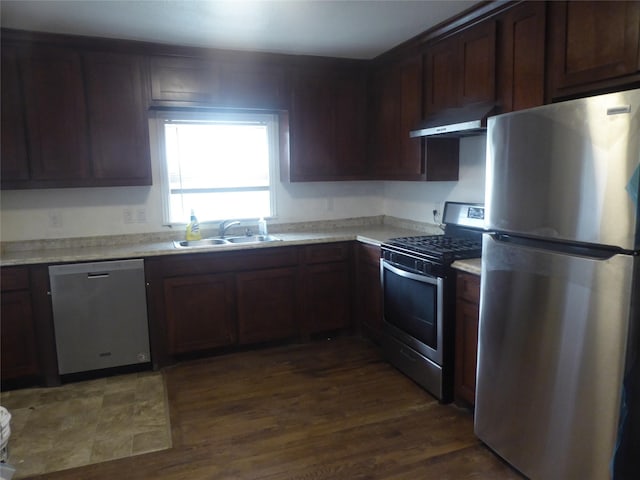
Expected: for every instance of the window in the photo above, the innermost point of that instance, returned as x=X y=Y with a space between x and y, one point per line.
x=220 y=164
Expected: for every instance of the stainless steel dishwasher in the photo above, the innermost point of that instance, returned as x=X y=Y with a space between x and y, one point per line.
x=99 y=315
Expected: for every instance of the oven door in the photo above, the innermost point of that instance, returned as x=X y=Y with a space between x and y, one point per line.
x=413 y=309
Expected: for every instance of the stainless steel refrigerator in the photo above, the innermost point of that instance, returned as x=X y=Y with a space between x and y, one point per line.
x=558 y=380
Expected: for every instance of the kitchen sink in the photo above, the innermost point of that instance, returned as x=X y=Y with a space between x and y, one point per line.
x=253 y=239
x=205 y=242
x=215 y=241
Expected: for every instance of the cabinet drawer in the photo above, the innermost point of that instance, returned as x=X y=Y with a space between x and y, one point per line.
x=328 y=252
x=468 y=287
x=217 y=262
x=15 y=279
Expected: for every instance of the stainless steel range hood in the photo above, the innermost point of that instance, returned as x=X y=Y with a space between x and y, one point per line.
x=457 y=122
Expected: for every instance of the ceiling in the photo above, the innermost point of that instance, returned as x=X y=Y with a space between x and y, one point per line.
x=338 y=28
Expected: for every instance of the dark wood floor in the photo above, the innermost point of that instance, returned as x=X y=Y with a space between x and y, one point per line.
x=325 y=410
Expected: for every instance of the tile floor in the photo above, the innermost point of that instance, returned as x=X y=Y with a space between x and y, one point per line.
x=86 y=422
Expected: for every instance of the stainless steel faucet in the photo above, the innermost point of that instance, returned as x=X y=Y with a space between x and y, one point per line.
x=226 y=225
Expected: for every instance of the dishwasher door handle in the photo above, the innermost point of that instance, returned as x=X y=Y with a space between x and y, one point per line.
x=97 y=275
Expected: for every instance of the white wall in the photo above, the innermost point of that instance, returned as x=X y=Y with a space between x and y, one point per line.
x=417 y=200
x=73 y=212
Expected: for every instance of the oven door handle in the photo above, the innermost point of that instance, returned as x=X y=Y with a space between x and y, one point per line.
x=413 y=276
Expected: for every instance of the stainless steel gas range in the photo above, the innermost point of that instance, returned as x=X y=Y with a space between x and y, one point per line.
x=419 y=297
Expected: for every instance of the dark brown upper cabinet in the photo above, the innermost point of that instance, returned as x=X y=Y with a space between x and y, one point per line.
x=187 y=80
x=72 y=118
x=594 y=47
x=180 y=81
x=15 y=158
x=327 y=125
x=118 y=125
x=461 y=69
x=56 y=115
x=441 y=76
x=521 y=56
x=255 y=86
x=396 y=100
x=396 y=109
x=477 y=58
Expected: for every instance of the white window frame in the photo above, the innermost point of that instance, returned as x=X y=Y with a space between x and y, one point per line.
x=271 y=120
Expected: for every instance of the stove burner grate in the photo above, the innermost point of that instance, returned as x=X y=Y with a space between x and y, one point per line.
x=442 y=247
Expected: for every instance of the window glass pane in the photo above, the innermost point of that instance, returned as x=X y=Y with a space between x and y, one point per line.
x=219 y=164
x=216 y=155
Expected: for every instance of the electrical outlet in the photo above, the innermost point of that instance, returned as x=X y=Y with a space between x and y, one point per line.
x=55 y=219
x=127 y=215
x=141 y=215
x=329 y=204
x=436 y=216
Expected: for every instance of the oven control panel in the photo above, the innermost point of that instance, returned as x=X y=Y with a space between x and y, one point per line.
x=412 y=264
x=464 y=214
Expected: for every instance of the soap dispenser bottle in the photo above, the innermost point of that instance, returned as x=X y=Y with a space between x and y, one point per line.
x=262 y=227
x=193 y=229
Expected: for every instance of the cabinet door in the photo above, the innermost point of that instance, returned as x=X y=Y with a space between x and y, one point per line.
x=200 y=312
x=55 y=114
x=253 y=86
x=18 y=341
x=311 y=129
x=396 y=110
x=349 y=120
x=15 y=161
x=117 y=119
x=240 y=84
x=267 y=305
x=327 y=297
x=369 y=290
x=467 y=314
x=384 y=136
x=521 y=57
x=477 y=64
x=461 y=69
x=184 y=80
x=327 y=126
x=593 y=42
x=441 y=82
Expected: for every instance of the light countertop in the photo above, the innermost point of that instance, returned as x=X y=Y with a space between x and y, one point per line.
x=148 y=245
x=471 y=265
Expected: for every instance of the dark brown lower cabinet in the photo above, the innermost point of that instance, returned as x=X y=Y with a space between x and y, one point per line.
x=200 y=312
x=327 y=297
x=467 y=315
x=267 y=305
x=369 y=290
x=199 y=302
x=18 y=355
x=327 y=287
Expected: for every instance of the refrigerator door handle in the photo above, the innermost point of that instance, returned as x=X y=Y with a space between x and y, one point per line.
x=596 y=252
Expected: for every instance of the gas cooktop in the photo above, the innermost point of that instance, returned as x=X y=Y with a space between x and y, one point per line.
x=441 y=248
x=462 y=236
